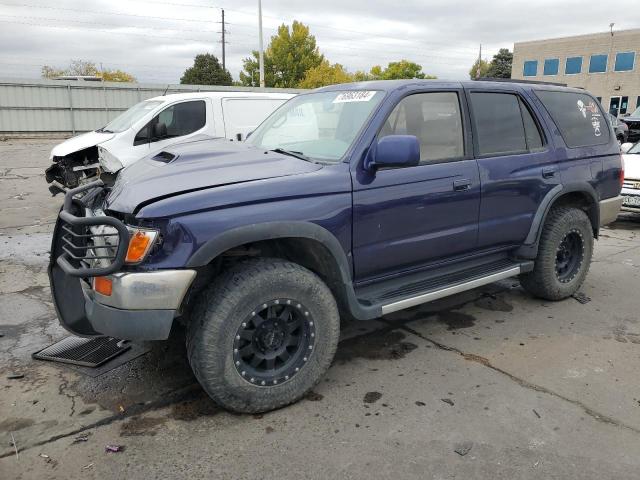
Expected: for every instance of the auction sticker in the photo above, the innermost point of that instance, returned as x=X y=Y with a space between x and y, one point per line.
x=354 y=96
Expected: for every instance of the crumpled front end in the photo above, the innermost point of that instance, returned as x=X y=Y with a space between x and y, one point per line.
x=94 y=292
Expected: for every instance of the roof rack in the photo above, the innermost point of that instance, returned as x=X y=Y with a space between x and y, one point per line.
x=515 y=80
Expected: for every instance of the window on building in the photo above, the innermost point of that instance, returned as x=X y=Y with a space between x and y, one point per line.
x=624 y=105
x=530 y=68
x=503 y=124
x=598 y=63
x=624 y=61
x=551 y=66
x=578 y=117
x=573 y=65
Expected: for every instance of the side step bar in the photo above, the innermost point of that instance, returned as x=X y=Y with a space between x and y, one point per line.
x=451 y=290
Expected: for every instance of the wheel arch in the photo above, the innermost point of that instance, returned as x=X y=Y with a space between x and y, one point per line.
x=582 y=196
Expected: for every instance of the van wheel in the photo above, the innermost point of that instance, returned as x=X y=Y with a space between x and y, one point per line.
x=564 y=255
x=262 y=335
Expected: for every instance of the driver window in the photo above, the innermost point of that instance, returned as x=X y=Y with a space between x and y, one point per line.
x=179 y=119
x=435 y=119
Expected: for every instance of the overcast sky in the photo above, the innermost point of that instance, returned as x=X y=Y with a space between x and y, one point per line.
x=157 y=40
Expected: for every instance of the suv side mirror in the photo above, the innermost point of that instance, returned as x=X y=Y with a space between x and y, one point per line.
x=395 y=151
x=159 y=130
x=625 y=147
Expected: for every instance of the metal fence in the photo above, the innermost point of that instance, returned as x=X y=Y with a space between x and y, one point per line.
x=67 y=107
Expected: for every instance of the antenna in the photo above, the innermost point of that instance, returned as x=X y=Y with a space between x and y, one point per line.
x=166 y=89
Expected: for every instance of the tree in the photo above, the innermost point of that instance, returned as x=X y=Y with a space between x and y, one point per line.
x=290 y=53
x=117 y=76
x=86 y=68
x=206 y=70
x=393 y=71
x=501 y=64
x=325 y=74
x=484 y=69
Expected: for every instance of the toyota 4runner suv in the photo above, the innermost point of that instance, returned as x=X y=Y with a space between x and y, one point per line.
x=351 y=201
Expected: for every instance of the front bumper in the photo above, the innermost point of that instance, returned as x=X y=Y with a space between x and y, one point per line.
x=609 y=209
x=142 y=306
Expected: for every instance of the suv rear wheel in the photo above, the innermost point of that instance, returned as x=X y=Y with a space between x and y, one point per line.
x=564 y=255
x=262 y=335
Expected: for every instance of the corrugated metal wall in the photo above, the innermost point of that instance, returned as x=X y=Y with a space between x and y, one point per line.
x=59 y=106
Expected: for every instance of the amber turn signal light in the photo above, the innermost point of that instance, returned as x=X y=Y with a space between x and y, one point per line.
x=139 y=245
x=103 y=285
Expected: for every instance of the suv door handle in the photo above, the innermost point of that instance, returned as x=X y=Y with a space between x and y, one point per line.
x=548 y=172
x=462 y=184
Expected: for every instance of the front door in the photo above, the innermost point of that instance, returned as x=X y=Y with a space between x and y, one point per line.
x=408 y=218
x=614 y=106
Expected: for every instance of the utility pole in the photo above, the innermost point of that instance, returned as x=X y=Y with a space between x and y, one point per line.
x=223 y=43
x=479 y=63
x=260 y=48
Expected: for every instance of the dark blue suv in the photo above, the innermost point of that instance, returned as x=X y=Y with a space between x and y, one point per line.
x=351 y=201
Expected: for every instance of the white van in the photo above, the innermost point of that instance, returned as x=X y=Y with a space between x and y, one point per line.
x=152 y=125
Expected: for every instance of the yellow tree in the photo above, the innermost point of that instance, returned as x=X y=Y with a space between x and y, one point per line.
x=325 y=74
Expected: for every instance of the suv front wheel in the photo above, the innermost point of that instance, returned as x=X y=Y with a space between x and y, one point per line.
x=262 y=335
x=564 y=255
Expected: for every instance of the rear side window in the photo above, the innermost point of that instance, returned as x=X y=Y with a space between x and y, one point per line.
x=503 y=124
x=578 y=117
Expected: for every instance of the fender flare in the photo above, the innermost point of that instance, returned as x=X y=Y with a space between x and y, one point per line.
x=531 y=242
x=271 y=231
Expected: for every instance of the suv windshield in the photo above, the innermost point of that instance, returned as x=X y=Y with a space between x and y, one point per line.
x=125 y=120
x=321 y=126
x=635 y=148
x=636 y=113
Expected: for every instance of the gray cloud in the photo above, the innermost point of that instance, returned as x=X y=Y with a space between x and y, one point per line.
x=156 y=41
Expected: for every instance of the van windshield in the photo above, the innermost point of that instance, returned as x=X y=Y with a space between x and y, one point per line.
x=319 y=126
x=125 y=120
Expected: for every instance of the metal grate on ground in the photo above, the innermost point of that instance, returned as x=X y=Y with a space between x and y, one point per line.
x=86 y=352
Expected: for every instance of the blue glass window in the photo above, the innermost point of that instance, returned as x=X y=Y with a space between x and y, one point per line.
x=625 y=61
x=573 y=65
x=598 y=63
x=530 y=68
x=551 y=66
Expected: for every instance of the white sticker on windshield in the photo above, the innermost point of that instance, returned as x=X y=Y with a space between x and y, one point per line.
x=354 y=96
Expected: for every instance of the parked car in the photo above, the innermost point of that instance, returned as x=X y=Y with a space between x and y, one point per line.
x=631 y=186
x=633 y=122
x=619 y=128
x=153 y=125
x=351 y=201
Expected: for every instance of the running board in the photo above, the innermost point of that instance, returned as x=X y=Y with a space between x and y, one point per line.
x=452 y=289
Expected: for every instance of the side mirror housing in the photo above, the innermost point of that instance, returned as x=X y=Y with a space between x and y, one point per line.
x=625 y=147
x=159 y=130
x=394 y=151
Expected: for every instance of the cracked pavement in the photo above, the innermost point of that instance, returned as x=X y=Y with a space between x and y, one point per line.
x=524 y=388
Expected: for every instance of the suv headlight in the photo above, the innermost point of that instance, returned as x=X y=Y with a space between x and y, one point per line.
x=140 y=242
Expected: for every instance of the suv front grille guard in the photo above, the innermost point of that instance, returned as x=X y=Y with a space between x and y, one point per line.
x=89 y=246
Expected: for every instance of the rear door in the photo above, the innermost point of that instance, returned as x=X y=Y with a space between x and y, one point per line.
x=409 y=218
x=516 y=162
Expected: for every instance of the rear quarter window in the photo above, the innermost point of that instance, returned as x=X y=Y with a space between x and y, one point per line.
x=578 y=116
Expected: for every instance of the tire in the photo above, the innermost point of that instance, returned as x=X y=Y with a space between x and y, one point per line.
x=229 y=320
x=558 y=274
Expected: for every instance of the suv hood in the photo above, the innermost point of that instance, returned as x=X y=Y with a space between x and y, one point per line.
x=80 y=142
x=194 y=166
x=631 y=166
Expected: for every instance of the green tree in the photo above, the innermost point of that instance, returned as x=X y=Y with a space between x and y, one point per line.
x=206 y=70
x=290 y=53
x=325 y=74
x=393 y=71
x=501 y=64
x=484 y=69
